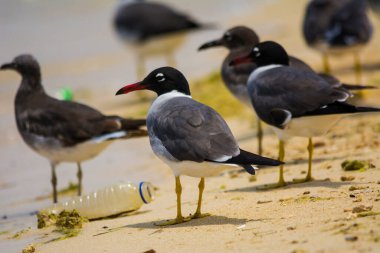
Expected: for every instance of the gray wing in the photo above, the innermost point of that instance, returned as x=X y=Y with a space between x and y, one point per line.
x=292 y=91
x=145 y=20
x=299 y=64
x=194 y=132
x=69 y=122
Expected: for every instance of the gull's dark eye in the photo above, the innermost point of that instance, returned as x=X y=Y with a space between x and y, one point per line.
x=160 y=77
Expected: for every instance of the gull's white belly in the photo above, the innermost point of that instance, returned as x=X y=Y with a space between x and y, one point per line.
x=52 y=149
x=309 y=126
x=78 y=153
x=194 y=169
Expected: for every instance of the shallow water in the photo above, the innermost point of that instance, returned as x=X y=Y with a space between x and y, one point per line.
x=77 y=47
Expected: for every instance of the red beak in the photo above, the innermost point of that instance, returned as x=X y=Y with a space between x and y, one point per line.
x=130 y=88
x=241 y=60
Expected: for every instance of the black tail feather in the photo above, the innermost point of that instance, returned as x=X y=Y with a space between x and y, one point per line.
x=366 y=109
x=358 y=87
x=341 y=108
x=247 y=158
x=132 y=124
x=249 y=169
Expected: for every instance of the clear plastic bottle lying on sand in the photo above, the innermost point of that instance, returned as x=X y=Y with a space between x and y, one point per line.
x=109 y=201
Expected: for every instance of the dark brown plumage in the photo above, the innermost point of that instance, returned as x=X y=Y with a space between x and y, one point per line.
x=63 y=131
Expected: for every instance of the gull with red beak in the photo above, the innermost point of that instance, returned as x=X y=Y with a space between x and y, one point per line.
x=190 y=137
x=292 y=101
x=239 y=40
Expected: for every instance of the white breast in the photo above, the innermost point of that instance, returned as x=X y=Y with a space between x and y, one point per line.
x=194 y=169
x=53 y=150
x=164 y=98
x=260 y=70
x=310 y=126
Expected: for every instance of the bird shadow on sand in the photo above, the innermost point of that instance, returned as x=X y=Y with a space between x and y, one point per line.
x=206 y=221
x=315 y=183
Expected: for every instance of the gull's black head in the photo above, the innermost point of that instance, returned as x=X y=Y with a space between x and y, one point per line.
x=234 y=38
x=24 y=64
x=264 y=54
x=162 y=80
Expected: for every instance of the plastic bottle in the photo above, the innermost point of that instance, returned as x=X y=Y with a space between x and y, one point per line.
x=109 y=201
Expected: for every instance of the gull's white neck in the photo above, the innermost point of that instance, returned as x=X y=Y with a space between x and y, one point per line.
x=166 y=97
x=260 y=70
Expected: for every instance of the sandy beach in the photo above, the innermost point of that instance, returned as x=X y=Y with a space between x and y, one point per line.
x=311 y=217
x=319 y=216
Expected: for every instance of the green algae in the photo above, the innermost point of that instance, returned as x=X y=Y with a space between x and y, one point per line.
x=4 y=232
x=29 y=249
x=226 y=104
x=18 y=234
x=46 y=219
x=72 y=187
x=354 y=188
x=366 y=214
x=353 y=165
x=70 y=220
x=68 y=223
x=303 y=199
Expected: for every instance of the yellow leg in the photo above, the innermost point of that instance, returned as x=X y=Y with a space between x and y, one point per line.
x=198 y=213
x=281 y=181
x=179 y=219
x=79 y=176
x=308 y=177
x=260 y=136
x=358 y=73
x=54 y=182
x=358 y=68
x=326 y=64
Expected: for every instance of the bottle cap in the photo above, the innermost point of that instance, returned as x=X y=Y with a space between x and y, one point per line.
x=146 y=191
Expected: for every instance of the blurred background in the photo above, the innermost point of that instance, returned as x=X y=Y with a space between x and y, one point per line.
x=77 y=47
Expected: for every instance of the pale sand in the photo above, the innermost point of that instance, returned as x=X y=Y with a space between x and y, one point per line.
x=238 y=223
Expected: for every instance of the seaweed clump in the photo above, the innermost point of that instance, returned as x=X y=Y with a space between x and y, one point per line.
x=46 y=219
x=352 y=165
x=68 y=223
x=29 y=249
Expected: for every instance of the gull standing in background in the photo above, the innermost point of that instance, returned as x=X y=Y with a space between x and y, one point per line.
x=338 y=27
x=153 y=28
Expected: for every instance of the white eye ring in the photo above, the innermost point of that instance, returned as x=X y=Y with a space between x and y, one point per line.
x=257 y=51
x=160 y=77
